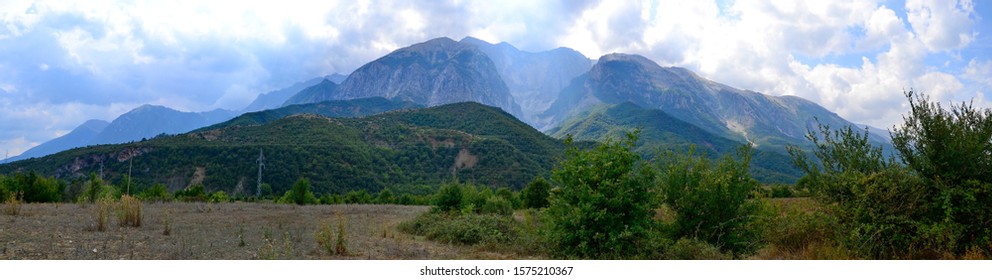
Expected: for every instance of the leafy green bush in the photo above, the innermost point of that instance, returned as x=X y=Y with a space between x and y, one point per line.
x=469 y=229
x=711 y=202
x=535 y=194
x=693 y=249
x=192 y=193
x=497 y=205
x=219 y=196
x=601 y=206
x=358 y=197
x=157 y=192
x=300 y=194
x=448 y=198
x=384 y=197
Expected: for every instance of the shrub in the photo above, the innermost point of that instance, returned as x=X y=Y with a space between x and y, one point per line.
x=219 y=196
x=195 y=192
x=601 y=206
x=469 y=229
x=508 y=195
x=535 y=194
x=157 y=192
x=448 y=198
x=325 y=238
x=497 y=205
x=693 y=249
x=357 y=197
x=385 y=197
x=300 y=193
x=711 y=202
x=128 y=211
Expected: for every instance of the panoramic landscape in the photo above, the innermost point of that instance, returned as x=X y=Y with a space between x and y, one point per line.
x=573 y=131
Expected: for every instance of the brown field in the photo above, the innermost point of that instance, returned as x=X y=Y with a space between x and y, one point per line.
x=220 y=231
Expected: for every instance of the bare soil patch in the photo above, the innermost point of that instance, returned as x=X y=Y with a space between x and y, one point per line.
x=220 y=231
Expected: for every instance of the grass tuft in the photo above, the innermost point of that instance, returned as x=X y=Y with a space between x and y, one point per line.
x=129 y=211
x=13 y=204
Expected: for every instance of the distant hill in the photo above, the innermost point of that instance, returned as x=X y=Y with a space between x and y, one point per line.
x=335 y=108
x=149 y=121
x=767 y=121
x=78 y=137
x=406 y=148
x=661 y=132
x=322 y=91
x=276 y=98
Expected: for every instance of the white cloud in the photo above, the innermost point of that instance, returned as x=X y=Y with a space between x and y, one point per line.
x=941 y=24
x=81 y=60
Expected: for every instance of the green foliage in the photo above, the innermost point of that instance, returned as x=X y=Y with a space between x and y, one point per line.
x=508 y=195
x=602 y=206
x=535 y=195
x=693 y=249
x=32 y=187
x=934 y=205
x=469 y=229
x=952 y=150
x=195 y=192
x=448 y=198
x=358 y=197
x=497 y=205
x=384 y=197
x=711 y=202
x=157 y=192
x=219 y=196
x=300 y=194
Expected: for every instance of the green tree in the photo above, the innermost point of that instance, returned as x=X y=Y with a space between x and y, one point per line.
x=384 y=197
x=535 y=194
x=952 y=150
x=300 y=193
x=712 y=203
x=602 y=206
x=448 y=198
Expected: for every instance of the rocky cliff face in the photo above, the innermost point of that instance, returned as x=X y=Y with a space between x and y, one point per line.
x=720 y=109
x=534 y=78
x=436 y=72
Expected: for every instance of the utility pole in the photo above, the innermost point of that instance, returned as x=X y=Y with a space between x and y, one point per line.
x=261 y=164
x=129 y=159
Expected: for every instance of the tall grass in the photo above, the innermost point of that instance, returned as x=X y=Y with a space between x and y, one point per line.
x=12 y=206
x=128 y=211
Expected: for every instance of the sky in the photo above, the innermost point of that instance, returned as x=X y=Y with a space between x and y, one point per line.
x=64 y=62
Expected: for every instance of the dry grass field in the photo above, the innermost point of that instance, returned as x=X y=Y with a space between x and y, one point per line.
x=220 y=231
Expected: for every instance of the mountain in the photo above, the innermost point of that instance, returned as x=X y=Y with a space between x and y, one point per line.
x=148 y=121
x=534 y=78
x=322 y=91
x=739 y=115
x=276 y=98
x=398 y=149
x=78 y=137
x=661 y=131
x=334 y=108
x=436 y=72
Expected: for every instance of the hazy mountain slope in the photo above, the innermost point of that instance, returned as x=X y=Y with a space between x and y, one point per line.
x=534 y=78
x=80 y=136
x=322 y=91
x=275 y=99
x=334 y=108
x=740 y=115
x=149 y=121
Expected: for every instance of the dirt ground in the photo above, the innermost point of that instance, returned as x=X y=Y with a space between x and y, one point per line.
x=221 y=231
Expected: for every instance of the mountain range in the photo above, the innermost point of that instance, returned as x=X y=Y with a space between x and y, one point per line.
x=558 y=91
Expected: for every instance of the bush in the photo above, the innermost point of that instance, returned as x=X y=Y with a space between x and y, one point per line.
x=711 y=202
x=469 y=229
x=192 y=193
x=300 y=194
x=157 y=192
x=601 y=206
x=497 y=205
x=358 y=197
x=385 y=197
x=12 y=204
x=693 y=249
x=535 y=194
x=448 y=198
